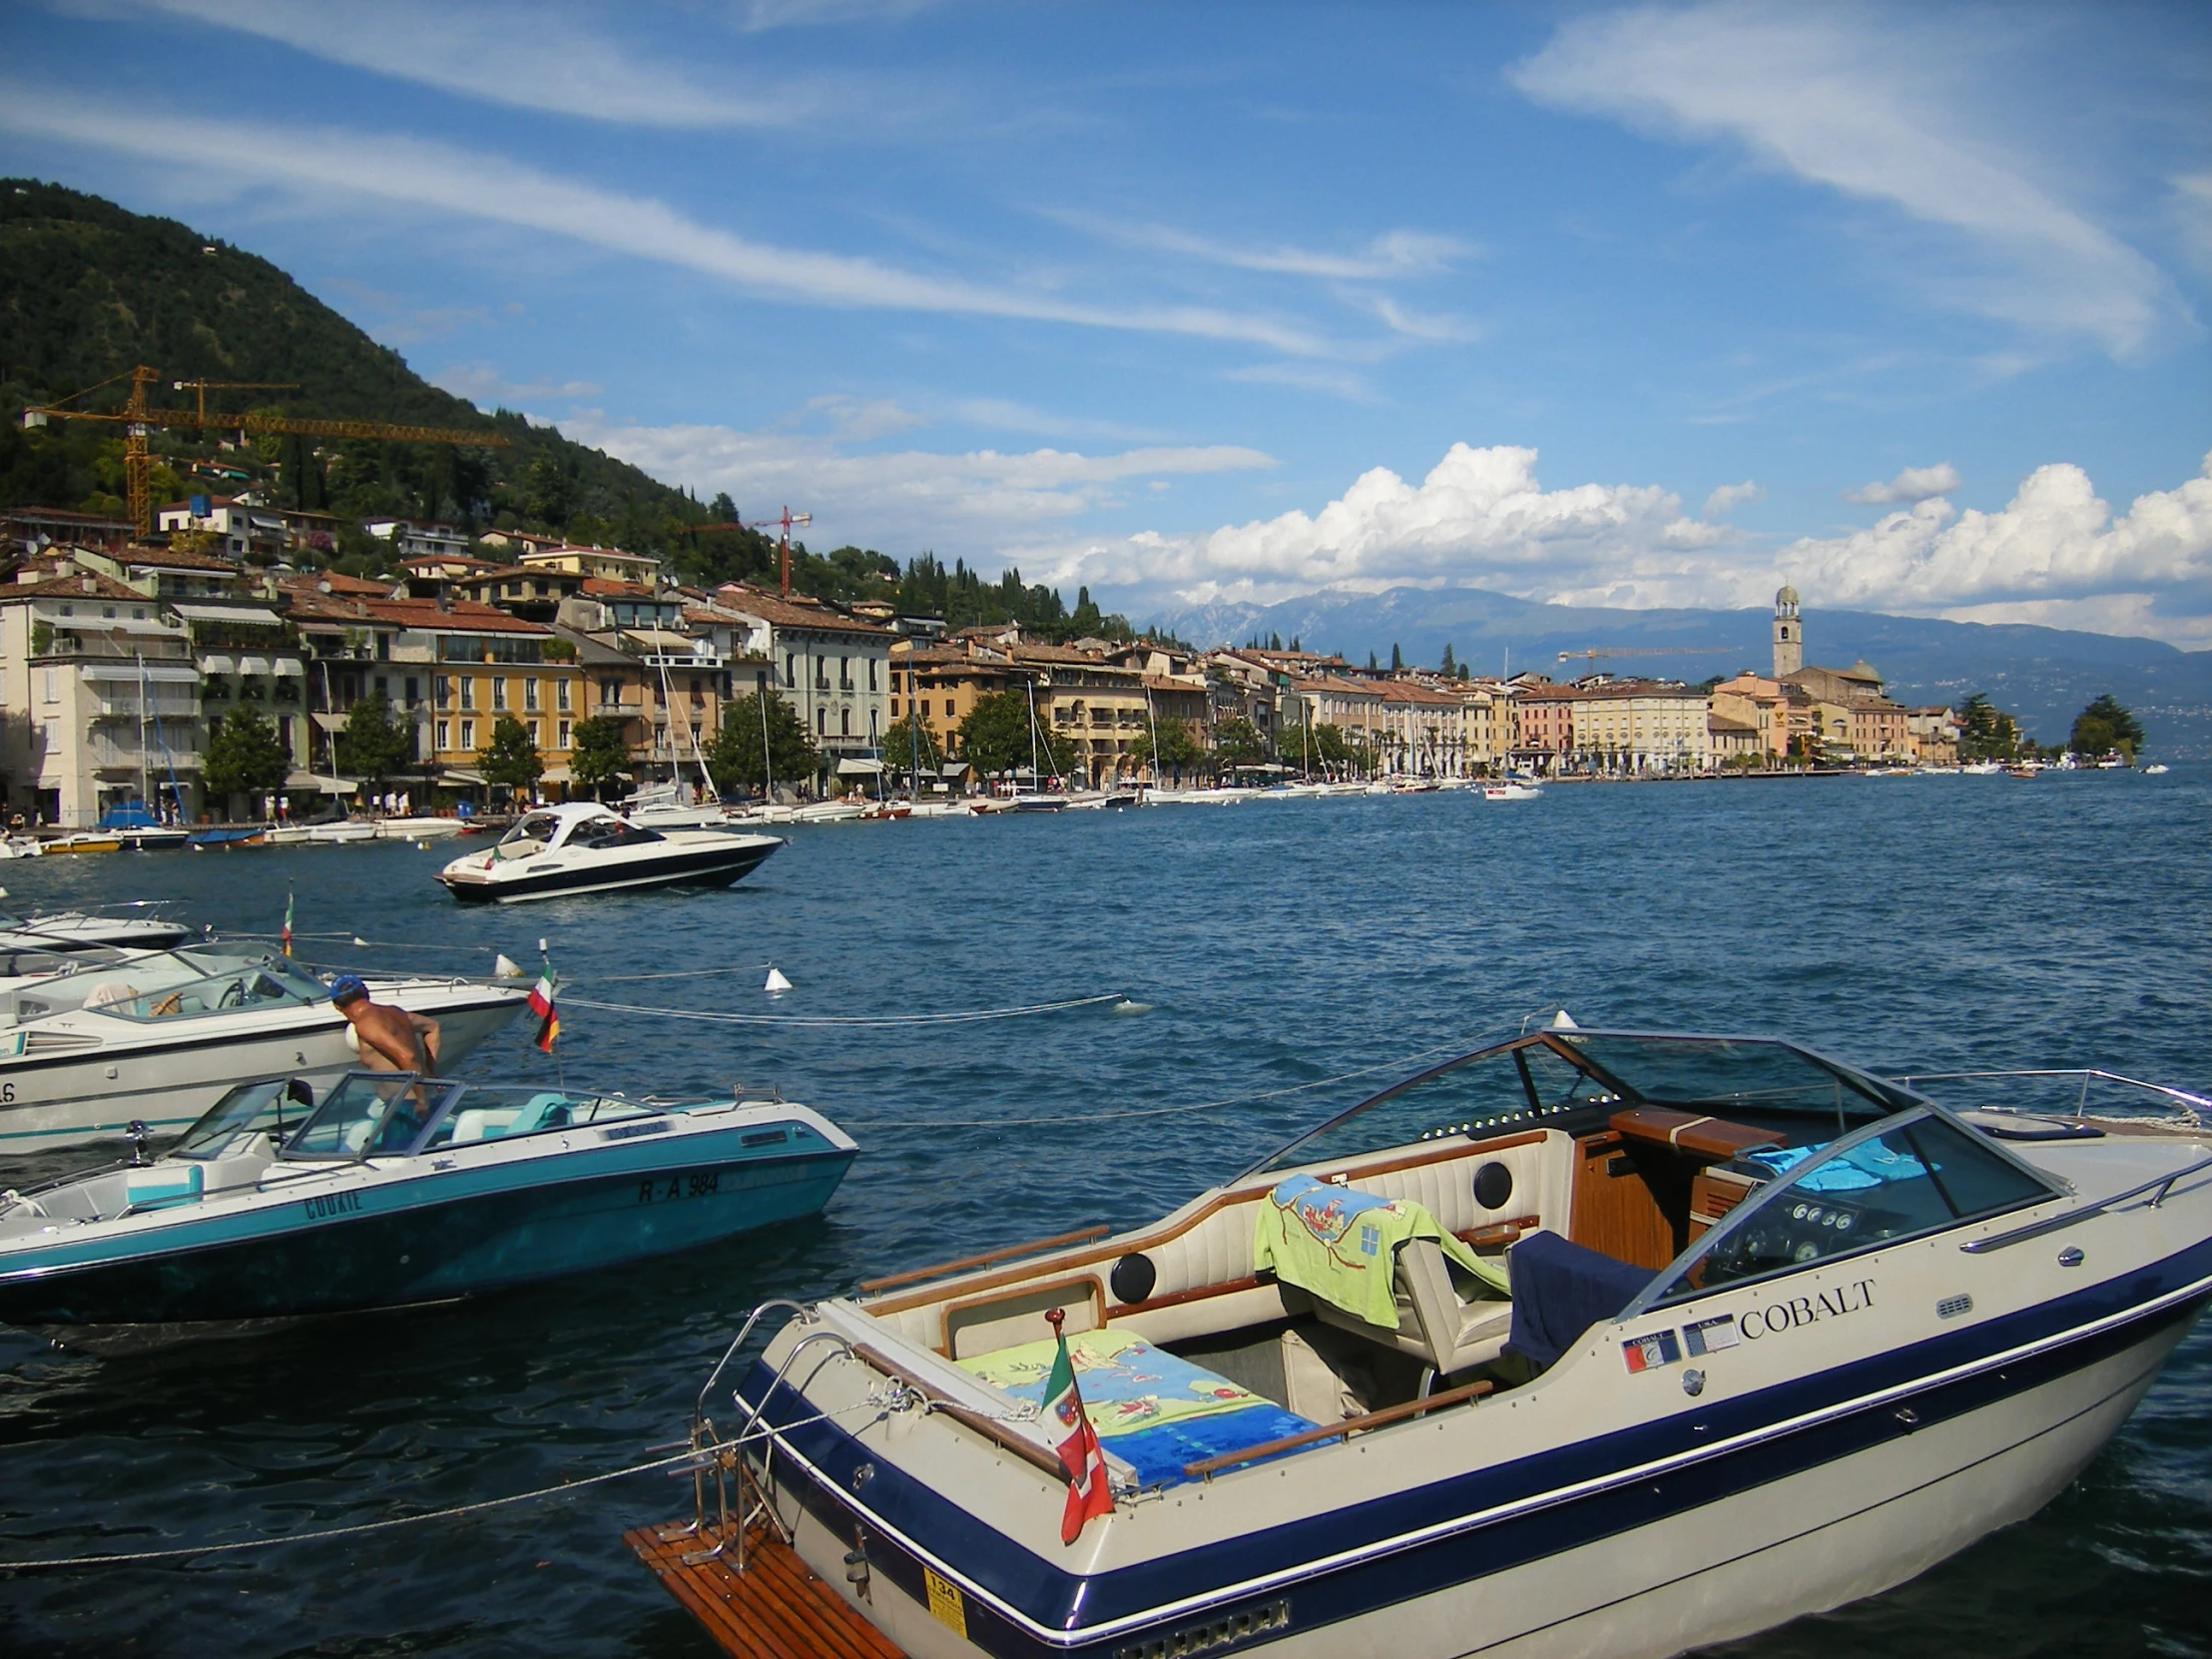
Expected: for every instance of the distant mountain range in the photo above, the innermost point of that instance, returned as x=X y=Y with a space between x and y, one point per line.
x=2044 y=676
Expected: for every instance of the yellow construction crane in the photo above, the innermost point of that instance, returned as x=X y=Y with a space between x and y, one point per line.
x=138 y=419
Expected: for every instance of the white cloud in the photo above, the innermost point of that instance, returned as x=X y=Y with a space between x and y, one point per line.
x=1879 y=107
x=1729 y=497
x=2192 y=207
x=1348 y=384
x=430 y=175
x=486 y=387
x=1479 y=519
x=900 y=501
x=1396 y=254
x=1482 y=519
x=540 y=57
x=1915 y=483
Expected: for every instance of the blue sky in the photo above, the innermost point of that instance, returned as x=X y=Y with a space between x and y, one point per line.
x=1638 y=306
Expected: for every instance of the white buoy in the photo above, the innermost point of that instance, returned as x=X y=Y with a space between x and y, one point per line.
x=1564 y=1021
x=776 y=983
x=506 y=967
x=361 y=942
x=1130 y=1005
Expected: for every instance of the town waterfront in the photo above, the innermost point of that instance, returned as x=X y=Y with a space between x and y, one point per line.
x=1912 y=923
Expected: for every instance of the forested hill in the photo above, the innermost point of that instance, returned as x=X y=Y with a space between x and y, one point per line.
x=88 y=289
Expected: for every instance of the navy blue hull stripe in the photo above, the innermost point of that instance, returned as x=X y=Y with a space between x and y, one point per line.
x=1557 y=1498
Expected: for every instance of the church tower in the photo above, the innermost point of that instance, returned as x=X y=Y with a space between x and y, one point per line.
x=1789 y=634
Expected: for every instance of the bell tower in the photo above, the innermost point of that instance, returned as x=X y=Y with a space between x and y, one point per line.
x=1789 y=634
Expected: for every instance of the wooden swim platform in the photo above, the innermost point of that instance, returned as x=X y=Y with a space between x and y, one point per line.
x=777 y=1608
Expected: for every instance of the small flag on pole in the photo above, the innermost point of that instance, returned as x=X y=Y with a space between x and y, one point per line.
x=1080 y=1454
x=287 y=922
x=541 y=1004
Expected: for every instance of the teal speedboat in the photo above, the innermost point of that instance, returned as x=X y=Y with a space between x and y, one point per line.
x=400 y=1189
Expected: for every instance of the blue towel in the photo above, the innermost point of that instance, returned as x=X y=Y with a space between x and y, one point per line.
x=1158 y=1454
x=1561 y=1290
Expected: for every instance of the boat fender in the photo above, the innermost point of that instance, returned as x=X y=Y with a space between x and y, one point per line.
x=1493 y=1186
x=1133 y=1279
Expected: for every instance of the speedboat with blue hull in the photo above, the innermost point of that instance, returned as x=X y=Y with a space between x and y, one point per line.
x=1586 y=1342
x=582 y=847
x=400 y=1189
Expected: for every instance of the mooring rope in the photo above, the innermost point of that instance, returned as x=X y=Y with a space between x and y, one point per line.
x=846 y=1021
x=391 y=1522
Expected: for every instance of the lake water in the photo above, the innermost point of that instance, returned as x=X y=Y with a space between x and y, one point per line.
x=1936 y=923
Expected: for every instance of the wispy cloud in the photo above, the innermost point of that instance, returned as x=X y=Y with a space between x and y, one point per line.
x=1879 y=107
x=1397 y=254
x=486 y=386
x=1348 y=384
x=546 y=58
x=479 y=186
x=1913 y=483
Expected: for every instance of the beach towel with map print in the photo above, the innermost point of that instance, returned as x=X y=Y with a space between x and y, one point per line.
x=1341 y=1245
x=1152 y=1411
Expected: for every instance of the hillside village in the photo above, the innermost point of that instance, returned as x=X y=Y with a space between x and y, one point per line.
x=512 y=661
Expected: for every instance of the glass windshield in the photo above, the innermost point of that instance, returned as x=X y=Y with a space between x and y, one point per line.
x=251 y=1108
x=1731 y=1077
x=371 y=1114
x=1910 y=1177
x=497 y=1114
x=261 y=985
x=533 y=835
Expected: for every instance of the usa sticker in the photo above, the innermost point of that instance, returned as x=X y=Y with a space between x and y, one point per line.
x=1711 y=1336
x=1652 y=1352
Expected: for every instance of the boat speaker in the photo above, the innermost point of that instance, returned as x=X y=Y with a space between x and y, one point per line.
x=1133 y=1278
x=1493 y=1184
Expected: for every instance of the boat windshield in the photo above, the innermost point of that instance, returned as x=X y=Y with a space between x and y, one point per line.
x=532 y=836
x=373 y=1114
x=1548 y=1074
x=264 y=1107
x=1896 y=1179
x=495 y=1113
x=265 y=985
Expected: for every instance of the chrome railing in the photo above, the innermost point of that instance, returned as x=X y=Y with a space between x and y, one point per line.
x=2198 y=1107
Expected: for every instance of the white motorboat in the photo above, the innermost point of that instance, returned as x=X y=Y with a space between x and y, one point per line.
x=144 y=927
x=1585 y=1343
x=417 y=828
x=584 y=848
x=400 y=1189
x=159 y=1037
x=2157 y=768
x=664 y=807
x=828 y=811
x=1511 y=789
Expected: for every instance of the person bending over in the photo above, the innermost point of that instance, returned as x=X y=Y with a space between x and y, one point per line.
x=391 y=1039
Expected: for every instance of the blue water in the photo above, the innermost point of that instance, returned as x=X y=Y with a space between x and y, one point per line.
x=1910 y=924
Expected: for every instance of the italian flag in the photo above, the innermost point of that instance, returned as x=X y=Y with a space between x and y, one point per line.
x=1080 y=1454
x=541 y=1004
x=287 y=922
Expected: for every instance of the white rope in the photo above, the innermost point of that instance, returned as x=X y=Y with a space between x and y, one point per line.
x=359 y=1528
x=846 y=1021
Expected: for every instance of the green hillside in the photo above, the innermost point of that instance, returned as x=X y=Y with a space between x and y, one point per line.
x=88 y=289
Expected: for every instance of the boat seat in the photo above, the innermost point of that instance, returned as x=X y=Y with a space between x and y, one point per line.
x=1435 y=1324
x=546 y=1110
x=484 y=1123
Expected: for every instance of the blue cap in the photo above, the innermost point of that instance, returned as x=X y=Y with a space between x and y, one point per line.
x=345 y=988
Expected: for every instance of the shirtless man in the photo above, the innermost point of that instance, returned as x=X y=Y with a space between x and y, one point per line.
x=391 y=1040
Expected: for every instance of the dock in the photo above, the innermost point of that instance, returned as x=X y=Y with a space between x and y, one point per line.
x=777 y=1608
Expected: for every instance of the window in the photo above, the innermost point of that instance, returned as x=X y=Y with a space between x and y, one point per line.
x=610 y=691
x=560 y=698
x=535 y=735
x=442 y=690
x=895 y=707
x=791 y=668
x=283 y=732
x=468 y=691
x=845 y=723
x=468 y=733
x=844 y=673
x=821 y=674
x=445 y=735
x=925 y=707
x=414 y=692
x=822 y=723
x=871 y=674
x=530 y=696
x=53 y=685
x=384 y=687
x=499 y=692
x=560 y=739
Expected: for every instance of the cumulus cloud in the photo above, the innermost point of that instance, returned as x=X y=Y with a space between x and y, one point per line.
x=1915 y=483
x=1479 y=518
x=1729 y=497
x=1883 y=109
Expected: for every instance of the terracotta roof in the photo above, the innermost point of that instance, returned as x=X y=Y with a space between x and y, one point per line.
x=173 y=558
x=463 y=615
x=444 y=561
x=605 y=587
x=87 y=586
x=799 y=611
x=339 y=584
x=1342 y=688
x=1412 y=691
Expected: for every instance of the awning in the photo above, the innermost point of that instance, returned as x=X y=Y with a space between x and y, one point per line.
x=315 y=781
x=254 y=665
x=290 y=667
x=217 y=664
x=249 y=618
x=555 y=775
x=328 y=720
x=859 y=769
x=158 y=674
x=461 y=775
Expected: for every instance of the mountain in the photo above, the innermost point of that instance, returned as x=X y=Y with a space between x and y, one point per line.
x=2042 y=674
x=88 y=289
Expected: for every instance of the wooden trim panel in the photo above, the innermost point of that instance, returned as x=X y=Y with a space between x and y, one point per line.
x=1035 y=1247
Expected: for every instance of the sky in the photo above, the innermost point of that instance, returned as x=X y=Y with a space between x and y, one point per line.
x=1640 y=305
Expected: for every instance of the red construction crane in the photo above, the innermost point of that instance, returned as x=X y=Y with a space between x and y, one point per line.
x=786 y=524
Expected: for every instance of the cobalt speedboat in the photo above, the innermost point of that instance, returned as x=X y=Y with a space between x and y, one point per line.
x=158 y=1038
x=1585 y=1343
x=584 y=848
x=400 y=1189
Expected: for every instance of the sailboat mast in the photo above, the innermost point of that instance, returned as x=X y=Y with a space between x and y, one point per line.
x=142 y=727
x=1031 y=686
